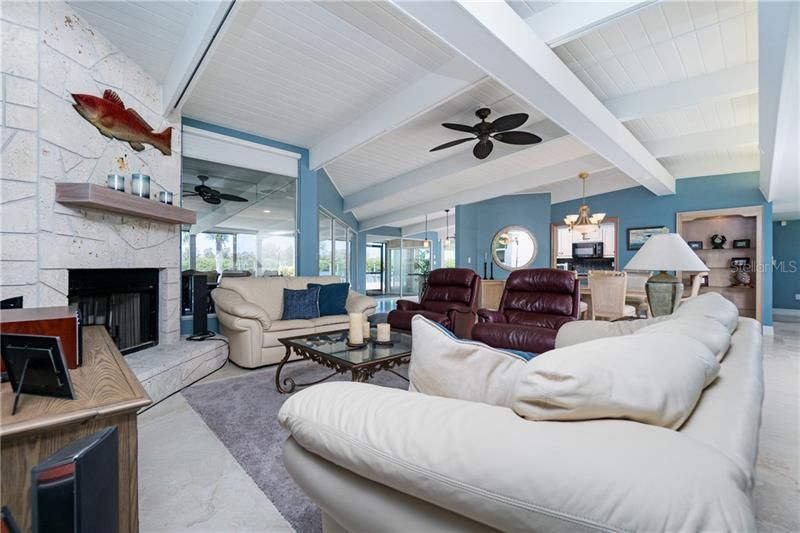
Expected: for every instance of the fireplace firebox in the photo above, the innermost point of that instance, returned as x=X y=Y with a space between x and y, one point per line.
x=125 y=301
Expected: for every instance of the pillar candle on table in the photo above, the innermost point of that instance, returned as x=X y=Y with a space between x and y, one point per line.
x=356 y=328
x=384 y=332
x=365 y=327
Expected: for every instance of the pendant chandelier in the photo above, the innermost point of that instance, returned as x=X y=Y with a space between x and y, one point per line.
x=583 y=222
x=447 y=227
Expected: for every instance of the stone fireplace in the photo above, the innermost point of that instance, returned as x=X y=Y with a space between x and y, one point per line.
x=55 y=54
x=52 y=53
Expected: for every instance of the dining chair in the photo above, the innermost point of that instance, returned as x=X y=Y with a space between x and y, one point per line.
x=607 y=290
x=697 y=282
x=637 y=283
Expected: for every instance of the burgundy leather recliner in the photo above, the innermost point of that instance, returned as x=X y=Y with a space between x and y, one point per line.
x=450 y=299
x=534 y=305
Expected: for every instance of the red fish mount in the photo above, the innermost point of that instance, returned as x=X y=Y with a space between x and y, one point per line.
x=109 y=115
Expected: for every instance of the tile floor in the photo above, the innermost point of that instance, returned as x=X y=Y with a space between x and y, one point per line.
x=188 y=481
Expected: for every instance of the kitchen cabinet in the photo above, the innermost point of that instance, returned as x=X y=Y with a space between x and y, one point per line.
x=564 y=243
x=608 y=234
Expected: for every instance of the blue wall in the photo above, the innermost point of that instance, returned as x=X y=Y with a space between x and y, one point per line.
x=638 y=207
x=314 y=190
x=477 y=224
x=786 y=276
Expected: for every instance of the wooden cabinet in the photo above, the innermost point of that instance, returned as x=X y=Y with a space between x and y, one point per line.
x=106 y=394
x=491 y=293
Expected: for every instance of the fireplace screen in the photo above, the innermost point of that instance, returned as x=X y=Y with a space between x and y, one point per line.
x=125 y=301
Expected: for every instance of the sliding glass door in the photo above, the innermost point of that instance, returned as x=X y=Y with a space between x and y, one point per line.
x=336 y=247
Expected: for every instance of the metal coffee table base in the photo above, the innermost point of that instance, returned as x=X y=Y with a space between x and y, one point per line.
x=361 y=372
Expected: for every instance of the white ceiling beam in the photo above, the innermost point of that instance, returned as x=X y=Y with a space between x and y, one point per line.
x=705 y=141
x=496 y=39
x=432 y=90
x=779 y=104
x=206 y=25
x=572 y=19
x=723 y=84
x=714 y=167
x=442 y=168
x=601 y=182
x=557 y=172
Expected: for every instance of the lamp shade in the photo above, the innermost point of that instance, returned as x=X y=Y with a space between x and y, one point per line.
x=667 y=251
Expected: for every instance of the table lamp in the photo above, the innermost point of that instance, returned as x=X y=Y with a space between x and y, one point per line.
x=662 y=253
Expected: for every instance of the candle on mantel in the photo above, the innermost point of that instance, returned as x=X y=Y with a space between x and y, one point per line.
x=366 y=329
x=384 y=332
x=356 y=328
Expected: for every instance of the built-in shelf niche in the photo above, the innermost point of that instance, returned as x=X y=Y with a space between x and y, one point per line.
x=734 y=224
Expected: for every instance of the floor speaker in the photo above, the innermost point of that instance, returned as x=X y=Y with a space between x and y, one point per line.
x=199 y=304
x=76 y=490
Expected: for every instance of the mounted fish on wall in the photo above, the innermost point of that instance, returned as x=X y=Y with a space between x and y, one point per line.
x=109 y=116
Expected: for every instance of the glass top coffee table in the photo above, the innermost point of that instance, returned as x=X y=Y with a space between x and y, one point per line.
x=330 y=350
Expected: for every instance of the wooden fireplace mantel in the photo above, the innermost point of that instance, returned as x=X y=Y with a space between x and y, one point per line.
x=92 y=196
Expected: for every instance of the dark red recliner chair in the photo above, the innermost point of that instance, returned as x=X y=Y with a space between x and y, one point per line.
x=450 y=299
x=534 y=305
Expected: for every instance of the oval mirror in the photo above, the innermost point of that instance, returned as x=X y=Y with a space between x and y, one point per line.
x=513 y=248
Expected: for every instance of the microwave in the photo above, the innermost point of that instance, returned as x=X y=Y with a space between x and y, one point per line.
x=587 y=250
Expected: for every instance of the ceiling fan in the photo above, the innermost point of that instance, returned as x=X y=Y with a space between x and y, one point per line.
x=486 y=131
x=212 y=196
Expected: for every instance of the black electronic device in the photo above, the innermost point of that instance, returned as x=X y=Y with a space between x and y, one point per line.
x=15 y=302
x=76 y=490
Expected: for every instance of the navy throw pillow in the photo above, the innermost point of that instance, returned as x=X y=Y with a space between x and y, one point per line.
x=332 y=298
x=300 y=304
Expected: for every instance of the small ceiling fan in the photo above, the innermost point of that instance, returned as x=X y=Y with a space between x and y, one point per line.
x=484 y=132
x=212 y=196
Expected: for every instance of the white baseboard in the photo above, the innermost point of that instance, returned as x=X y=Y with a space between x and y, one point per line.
x=790 y=312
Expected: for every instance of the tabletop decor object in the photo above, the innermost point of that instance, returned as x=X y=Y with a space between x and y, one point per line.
x=741 y=243
x=356 y=337
x=662 y=253
x=695 y=245
x=718 y=241
x=116 y=182
x=140 y=185
x=384 y=336
x=165 y=197
x=109 y=115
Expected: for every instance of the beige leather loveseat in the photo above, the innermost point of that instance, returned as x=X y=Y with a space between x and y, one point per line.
x=249 y=311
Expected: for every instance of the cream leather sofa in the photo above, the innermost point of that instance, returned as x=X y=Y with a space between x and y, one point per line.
x=381 y=459
x=249 y=311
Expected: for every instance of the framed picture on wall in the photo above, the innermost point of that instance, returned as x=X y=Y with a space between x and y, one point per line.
x=638 y=236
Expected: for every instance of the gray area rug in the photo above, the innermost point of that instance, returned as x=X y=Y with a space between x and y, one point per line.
x=243 y=413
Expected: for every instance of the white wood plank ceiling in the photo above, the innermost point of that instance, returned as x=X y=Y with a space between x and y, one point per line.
x=148 y=32
x=681 y=75
x=298 y=71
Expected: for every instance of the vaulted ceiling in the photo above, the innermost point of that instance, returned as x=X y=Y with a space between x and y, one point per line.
x=639 y=92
